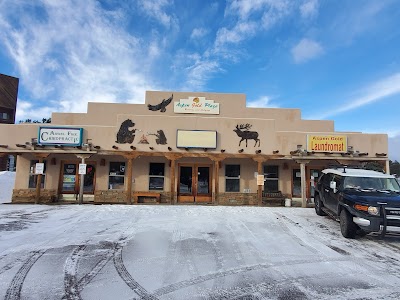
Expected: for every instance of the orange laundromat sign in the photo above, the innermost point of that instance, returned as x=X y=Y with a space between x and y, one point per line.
x=327 y=143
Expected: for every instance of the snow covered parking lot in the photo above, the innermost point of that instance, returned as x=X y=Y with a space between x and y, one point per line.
x=188 y=252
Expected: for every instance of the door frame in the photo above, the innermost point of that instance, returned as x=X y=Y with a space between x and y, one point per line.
x=77 y=177
x=194 y=197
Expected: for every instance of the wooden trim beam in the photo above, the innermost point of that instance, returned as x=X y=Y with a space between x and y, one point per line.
x=172 y=178
x=129 y=183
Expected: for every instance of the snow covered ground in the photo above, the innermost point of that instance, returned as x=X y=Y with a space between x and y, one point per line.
x=6 y=186
x=188 y=252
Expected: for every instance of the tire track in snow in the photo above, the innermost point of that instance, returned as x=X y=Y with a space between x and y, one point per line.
x=127 y=278
x=14 y=290
x=85 y=280
x=70 y=274
x=211 y=276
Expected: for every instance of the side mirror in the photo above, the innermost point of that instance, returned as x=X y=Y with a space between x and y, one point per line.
x=332 y=185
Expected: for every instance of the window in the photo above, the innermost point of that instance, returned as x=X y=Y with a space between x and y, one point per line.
x=4 y=116
x=232 y=178
x=116 y=176
x=271 y=176
x=33 y=177
x=156 y=176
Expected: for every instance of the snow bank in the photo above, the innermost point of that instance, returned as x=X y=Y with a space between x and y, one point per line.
x=7 y=180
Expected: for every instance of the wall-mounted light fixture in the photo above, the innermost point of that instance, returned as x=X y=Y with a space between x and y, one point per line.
x=363 y=154
x=222 y=150
x=133 y=147
x=241 y=150
x=78 y=147
x=380 y=154
x=275 y=152
x=96 y=147
x=20 y=145
x=115 y=147
x=187 y=149
x=205 y=149
x=258 y=151
x=169 y=149
x=3 y=146
x=151 y=148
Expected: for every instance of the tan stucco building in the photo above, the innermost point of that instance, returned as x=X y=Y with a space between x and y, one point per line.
x=180 y=147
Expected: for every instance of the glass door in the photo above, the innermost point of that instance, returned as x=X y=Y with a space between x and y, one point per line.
x=296 y=187
x=185 y=189
x=70 y=178
x=194 y=184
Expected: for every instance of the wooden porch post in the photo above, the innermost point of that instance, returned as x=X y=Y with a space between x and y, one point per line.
x=82 y=177
x=129 y=183
x=217 y=165
x=41 y=158
x=260 y=160
x=130 y=157
x=303 y=181
x=172 y=178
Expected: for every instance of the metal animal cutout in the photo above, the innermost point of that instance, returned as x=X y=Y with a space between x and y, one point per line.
x=161 y=106
x=125 y=135
x=246 y=134
x=161 y=138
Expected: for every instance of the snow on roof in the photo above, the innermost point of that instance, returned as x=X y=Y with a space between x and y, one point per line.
x=357 y=172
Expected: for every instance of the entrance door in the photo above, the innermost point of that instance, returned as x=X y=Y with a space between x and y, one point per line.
x=194 y=184
x=70 y=178
x=296 y=188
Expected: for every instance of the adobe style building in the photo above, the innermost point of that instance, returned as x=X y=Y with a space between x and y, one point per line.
x=8 y=104
x=180 y=148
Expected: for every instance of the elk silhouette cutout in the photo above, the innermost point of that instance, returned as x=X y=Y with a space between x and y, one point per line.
x=246 y=134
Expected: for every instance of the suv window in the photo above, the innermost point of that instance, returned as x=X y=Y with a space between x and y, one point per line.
x=338 y=180
x=326 y=179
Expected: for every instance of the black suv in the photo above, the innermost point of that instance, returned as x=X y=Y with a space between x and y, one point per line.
x=362 y=200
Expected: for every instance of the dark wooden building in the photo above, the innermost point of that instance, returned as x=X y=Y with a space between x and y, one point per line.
x=8 y=105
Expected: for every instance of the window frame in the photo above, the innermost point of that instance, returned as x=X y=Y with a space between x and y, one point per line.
x=157 y=176
x=271 y=179
x=116 y=175
x=33 y=177
x=232 y=179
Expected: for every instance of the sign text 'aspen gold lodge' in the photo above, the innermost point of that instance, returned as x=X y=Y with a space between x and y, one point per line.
x=196 y=105
x=327 y=143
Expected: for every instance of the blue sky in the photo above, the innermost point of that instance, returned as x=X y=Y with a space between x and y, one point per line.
x=335 y=60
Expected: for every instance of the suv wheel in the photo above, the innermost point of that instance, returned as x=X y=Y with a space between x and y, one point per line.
x=347 y=226
x=318 y=206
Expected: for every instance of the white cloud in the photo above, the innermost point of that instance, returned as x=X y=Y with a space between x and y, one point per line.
x=375 y=92
x=156 y=10
x=199 y=72
x=26 y=110
x=77 y=53
x=309 y=9
x=240 y=32
x=263 y=101
x=198 y=33
x=306 y=50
